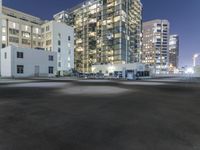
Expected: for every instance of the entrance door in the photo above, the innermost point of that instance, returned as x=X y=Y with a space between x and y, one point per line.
x=37 y=71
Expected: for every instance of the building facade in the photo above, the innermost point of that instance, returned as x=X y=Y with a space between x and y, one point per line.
x=197 y=71
x=27 y=62
x=110 y=69
x=106 y=32
x=174 y=51
x=155 y=49
x=58 y=37
x=20 y=29
x=0 y=24
x=130 y=71
x=26 y=31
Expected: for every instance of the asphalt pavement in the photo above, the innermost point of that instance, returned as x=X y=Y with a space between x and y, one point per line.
x=100 y=115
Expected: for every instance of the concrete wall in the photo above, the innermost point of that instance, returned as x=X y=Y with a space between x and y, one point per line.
x=197 y=71
x=106 y=69
x=6 y=63
x=32 y=58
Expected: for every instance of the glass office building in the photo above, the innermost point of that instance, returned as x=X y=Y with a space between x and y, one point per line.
x=174 y=50
x=106 y=32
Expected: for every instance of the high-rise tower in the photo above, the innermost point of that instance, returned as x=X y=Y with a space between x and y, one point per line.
x=155 y=51
x=106 y=32
x=174 y=50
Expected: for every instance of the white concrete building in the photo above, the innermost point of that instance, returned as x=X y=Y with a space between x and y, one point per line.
x=197 y=70
x=20 y=29
x=122 y=69
x=27 y=62
x=59 y=37
x=26 y=31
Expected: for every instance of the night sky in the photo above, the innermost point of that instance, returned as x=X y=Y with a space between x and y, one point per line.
x=184 y=17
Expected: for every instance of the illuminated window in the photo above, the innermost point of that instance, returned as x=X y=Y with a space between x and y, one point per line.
x=3 y=38
x=4 y=30
x=26 y=28
x=37 y=30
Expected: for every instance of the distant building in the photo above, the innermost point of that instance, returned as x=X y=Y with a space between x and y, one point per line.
x=174 y=51
x=27 y=62
x=196 y=60
x=59 y=37
x=155 y=49
x=106 y=32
